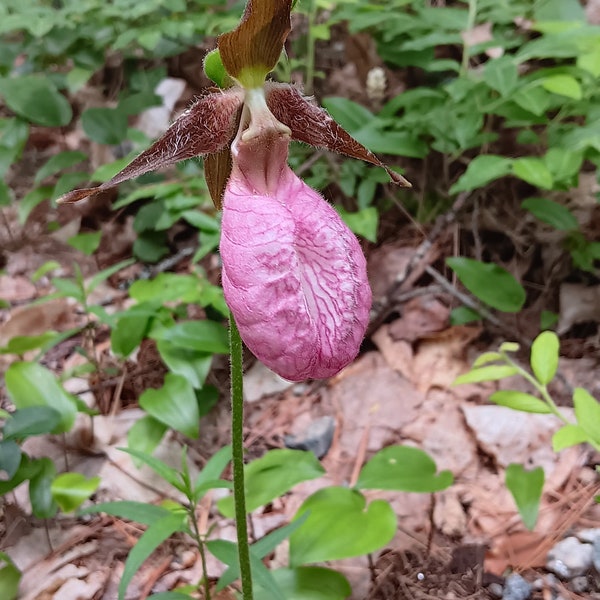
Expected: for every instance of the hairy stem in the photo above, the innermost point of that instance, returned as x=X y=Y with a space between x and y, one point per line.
x=237 y=445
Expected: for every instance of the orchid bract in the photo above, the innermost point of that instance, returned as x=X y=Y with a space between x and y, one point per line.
x=294 y=275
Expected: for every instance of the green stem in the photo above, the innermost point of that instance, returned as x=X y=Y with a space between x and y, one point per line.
x=200 y=541
x=237 y=449
x=464 y=67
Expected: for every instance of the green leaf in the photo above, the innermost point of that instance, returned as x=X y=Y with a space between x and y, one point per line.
x=30 y=384
x=587 y=411
x=174 y=404
x=6 y=194
x=24 y=343
x=169 y=474
x=340 y=524
x=146 y=434
x=27 y=422
x=462 y=315
x=526 y=488
x=404 y=469
x=486 y=358
x=563 y=85
x=215 y=70
x=350 y=115
x=57 y=163
x=490 y=283
x=105 y=125
x=544 y=356
x=308 y=583
x=139 y=512
x=193 y=365
x=10 y=577
x=551 y=212
x=151 y=539
x=548 y=319
x=31 y=200
x=170 y=596
x=501 y=75
x=491 y=373
x=131 y=328
x=103 y=275
x=43 y=505
x=36 y=98
x=227 y=553
x=509 y=347
x=363 y=222
x=534 y=171
x=87 y=243
x=203 y=336
x=481 y=170
x=213 y=468
x=519 y=401
x=167 y=287
x=69 y=490
x=272 y=475
x=564 y=164
x=10 y=457
x=567 y=436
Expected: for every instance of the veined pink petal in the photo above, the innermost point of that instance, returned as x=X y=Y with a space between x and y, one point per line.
x=294 y=275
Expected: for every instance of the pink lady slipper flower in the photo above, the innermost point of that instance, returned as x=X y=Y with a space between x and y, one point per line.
x=294 y=275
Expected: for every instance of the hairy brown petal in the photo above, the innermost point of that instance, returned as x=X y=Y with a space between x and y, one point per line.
x=252 y=49
x=313 y=125
x=217 y=168
x=206 y=127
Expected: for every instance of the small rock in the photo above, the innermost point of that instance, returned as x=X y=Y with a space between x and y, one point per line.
x=516 y=588
x=570 y=558
x=495 y=589
x=580 y=584
x=317 y=437
x=588 y=536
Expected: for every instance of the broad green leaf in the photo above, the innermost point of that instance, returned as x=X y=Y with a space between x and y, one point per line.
x=139 y=512
x=363 y=222
x=145 y=435
x=31 y=200
x=87 y=243
x=564 y=85
x=33 y=420
x=131 y=328
x=526 y=488
x=10 y=458
x=193 y=365
x=58 y=162
x=519 y=401
x=569 y=435
x=548 y=319
x=105 y=125
x=340 y=524
x=590 y=61
x=308 y=583
x=170 y=596
x=43 y=505
x=563 y=163
x=10 y=577
x=30 y=384
x=28 y=468
x=167 y=287
x=260 y=549
x=587 y=411
x=203 y=336
x=169 y=474
x=461 y=315
x=215 y=70
x=551 y=212
x=490 y=283
x=558 y=10
x=544 y=357
x=489 y=373
x=227 y=553
x=174 y=404
x=350 y=115
x=36 y=98
x=69 y=490
x=272 y=475
x=6 y=194
x=501 y=75
x=151 y=539
x=534 y=171
x=404 y=469
x=481 y=170
x=24 y=343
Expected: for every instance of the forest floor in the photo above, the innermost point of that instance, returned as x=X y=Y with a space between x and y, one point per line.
x=399 y=390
